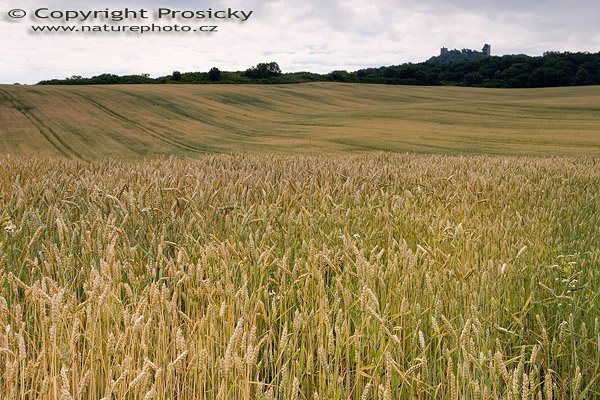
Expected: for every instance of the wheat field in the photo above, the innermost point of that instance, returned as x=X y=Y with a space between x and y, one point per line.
x=149 y=121
x=370 y=276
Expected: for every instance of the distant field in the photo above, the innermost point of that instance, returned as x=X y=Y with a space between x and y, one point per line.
x=91 y=122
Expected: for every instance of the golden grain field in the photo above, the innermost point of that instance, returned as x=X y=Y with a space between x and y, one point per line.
x=360 y=277
x=149 y=121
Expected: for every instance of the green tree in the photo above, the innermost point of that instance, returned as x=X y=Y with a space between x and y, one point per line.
x=583 y=77
x=544 y=77
x=176 y=76
x=264 y=71
x=473 y=79
x=214 y=75
x=339 y=76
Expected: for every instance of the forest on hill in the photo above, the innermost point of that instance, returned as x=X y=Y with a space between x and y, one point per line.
x=509 y=71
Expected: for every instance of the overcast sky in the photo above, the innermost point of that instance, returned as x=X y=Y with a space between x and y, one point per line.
x=307 y=35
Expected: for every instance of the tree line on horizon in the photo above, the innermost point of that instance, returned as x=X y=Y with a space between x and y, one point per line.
x=509 y=71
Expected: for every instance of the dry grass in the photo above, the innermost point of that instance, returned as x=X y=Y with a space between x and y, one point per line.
x=149 y=121
x=352 y=277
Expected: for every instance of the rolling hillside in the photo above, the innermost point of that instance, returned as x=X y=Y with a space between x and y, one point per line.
x=91 y=122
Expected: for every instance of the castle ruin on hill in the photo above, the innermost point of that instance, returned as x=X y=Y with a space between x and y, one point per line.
x=447 y=55
x=485 y=51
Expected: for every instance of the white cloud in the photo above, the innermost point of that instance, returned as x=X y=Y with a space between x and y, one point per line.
x=309 y=35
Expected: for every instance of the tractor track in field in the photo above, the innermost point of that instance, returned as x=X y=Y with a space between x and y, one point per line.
x=48 y=133
x=173 y=108
x=137 y=125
